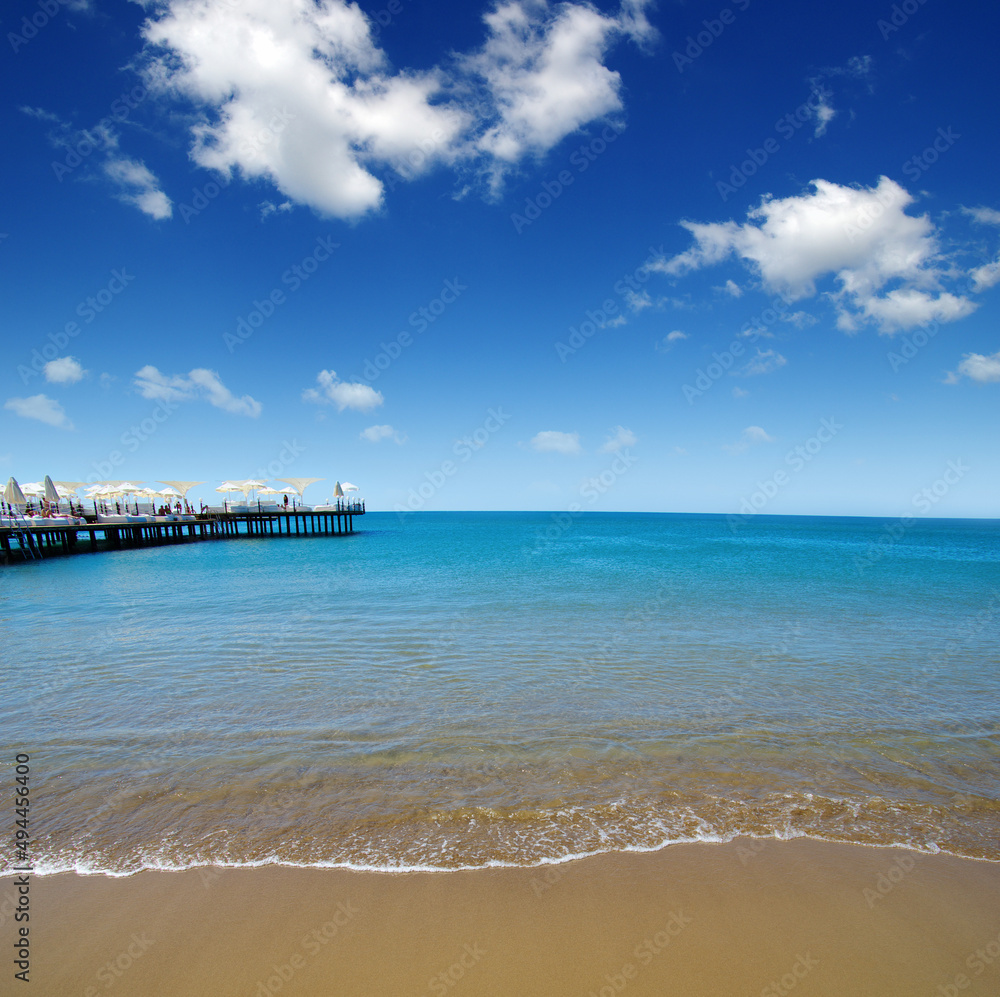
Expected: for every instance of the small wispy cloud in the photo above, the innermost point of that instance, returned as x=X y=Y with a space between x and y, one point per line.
x=619 y=440
x=375 y=434
x=269 y=208
x=985 y=216
x=137 y=185
x=765 y=362
x=553 y=441
x=199 y=383
x=344 y=394
x=668 y=341
x=750 y=437
x=40 y=408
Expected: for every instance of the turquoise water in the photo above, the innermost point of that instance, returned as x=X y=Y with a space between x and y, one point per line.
x=460 y=689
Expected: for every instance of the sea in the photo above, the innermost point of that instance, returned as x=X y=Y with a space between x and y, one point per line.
x=455 y=690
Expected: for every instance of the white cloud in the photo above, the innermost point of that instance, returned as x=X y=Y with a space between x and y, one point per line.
x=375 y=434
x=739 y=392
x=985 y=216
x=39 y=407
x=765 y=362
x=800 y=319
x=552 y=441
x=750 y=437
x=545 y=74
x=300 y=94
x=986 y=276
x=64 y=370
x=638 y=301
x=824 y=112
x=665 y=344
x=138 y=186
x=734 y=289
x=978 y=367
x=270 y=208
x=344 y=394
x=860 y=236
x=40 y=114
x=135 y=183
x=198 y=383
x=621 y=439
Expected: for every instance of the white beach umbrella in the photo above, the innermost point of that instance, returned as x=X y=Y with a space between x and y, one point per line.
x=49 y=491
x=348 y=487
x=299 y=485
x=12 y=494
x=338 y=492
x=66 y=488
x=252 y=485
x=182 y=487
x=230 y=486
x=33 y=488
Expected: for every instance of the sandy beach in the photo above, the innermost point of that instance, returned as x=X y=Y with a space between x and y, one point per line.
x=749 y=917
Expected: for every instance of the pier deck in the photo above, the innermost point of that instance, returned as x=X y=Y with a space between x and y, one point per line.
x=24 y=542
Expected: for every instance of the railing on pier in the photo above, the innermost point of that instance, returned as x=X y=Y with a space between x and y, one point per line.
x=24 y=540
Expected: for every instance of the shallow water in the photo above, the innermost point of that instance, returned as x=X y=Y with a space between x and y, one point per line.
x=467 y=689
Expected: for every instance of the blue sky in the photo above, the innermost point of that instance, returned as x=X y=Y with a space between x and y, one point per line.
x=665 y=257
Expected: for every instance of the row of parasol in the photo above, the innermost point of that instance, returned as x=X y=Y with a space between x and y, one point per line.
x=54 y=492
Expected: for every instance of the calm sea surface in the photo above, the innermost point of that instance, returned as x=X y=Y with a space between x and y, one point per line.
x=463 y=689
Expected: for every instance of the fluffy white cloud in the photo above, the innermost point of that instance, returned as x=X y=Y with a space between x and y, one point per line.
x=138 y=186
x=198 y=383
x=621 y=439
x=344 y=394
x=733 y=289
x=750 y=437
x=978 y=367
x=300 y=94
x=861 y=236
x=552 y=441
x=64 y=370
x=765 y=362
x=985 y=276
x=39 y=407
x=375 y=434
x=545 y=72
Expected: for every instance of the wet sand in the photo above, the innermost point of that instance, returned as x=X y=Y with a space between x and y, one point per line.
x=749 y=917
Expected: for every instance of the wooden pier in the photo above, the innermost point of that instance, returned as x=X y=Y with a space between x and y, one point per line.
x=23 y=542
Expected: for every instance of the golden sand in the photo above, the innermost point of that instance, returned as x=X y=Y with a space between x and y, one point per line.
x=746 y=918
